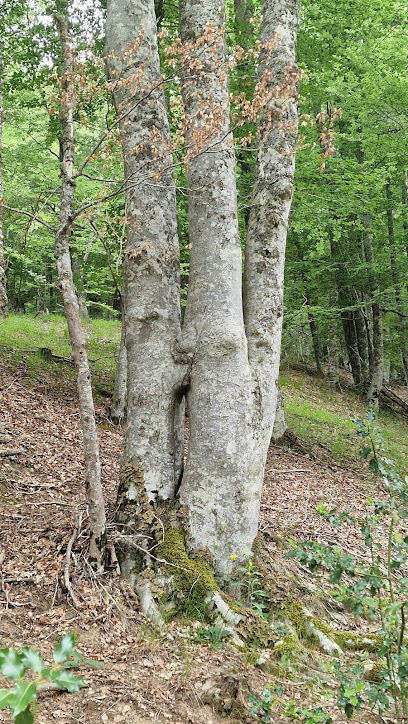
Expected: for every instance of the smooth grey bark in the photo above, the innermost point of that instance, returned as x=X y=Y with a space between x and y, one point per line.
x=220 y=486
x=3 y=281
x=94 y=492
x=79 y=285
x=402 y=324
x=231 y=406
x=119 y=398
x=377 y=365
x=151 y=286
x=272 y=196
x=279 y=425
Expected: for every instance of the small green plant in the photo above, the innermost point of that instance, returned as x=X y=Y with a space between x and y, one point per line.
x=314 y=716
x=376 y=587
x=213 y=635
x=249 y=582
x=263 y=705
x=14 y=665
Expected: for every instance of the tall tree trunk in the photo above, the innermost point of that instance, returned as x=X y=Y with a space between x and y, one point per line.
x=317 y=348
x=151 y=279
x=402 y=324
x=220 y=467
x=119 y=398
x=377 y=368
x=79 y=286
x=272 y=197
x=362 y=342
x=97 y=521
x=3 y=291
x=231 y=407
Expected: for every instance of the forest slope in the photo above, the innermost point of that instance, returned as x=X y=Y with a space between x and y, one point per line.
x=150 y=675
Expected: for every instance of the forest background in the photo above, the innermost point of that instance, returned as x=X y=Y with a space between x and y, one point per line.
x=346 y=262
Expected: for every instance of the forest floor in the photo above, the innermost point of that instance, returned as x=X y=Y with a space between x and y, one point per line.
x=151 y=675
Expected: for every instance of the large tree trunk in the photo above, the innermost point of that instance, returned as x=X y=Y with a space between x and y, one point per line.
x=96 y=508
x=151 y=287
x=231 y=406
x=3 y=291
x=221 y=482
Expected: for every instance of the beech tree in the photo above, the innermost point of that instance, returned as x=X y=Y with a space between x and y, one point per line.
x=3 y=290
x=224 y=359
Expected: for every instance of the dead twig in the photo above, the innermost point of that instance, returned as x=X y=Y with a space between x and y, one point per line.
x=68 y=560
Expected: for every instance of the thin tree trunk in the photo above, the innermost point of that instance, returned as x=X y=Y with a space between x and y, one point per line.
x=119 y=398
x=3 y=291
x=362 y=343
x=95 y=500
x=317 y=348
x=79 y=285
x=402 y=324
x=405 y=209
x=279 y=425
x=377 y=370
x=333 y=351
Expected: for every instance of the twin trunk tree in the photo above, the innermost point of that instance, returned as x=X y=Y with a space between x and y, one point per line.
x=224 y=359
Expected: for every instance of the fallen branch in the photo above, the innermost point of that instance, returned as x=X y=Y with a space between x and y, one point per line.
x=68 y=560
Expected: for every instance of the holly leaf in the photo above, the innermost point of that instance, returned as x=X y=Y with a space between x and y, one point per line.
x=23 y=694
x=65 y=648
x=66 y=680
x=11 y=664
x=26 y=717
x=5 y=696
x=32 y=659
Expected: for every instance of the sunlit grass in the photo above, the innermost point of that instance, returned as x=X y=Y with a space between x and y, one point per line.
x=318 y=412
x=22 y=336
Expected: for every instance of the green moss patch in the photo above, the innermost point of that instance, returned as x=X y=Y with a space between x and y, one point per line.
x=192 y=575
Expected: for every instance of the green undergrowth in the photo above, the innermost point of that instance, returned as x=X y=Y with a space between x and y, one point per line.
x=23 y=337
x=317 y=412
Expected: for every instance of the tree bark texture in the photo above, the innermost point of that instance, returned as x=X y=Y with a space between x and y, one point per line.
x=272 y=196
x=3 y=281
x=221 y=482
x=230 y=386
x=151 y=286
x=95 y=500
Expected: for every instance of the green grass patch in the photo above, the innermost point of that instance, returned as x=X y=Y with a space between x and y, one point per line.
x=318 y=412
x=22 y=336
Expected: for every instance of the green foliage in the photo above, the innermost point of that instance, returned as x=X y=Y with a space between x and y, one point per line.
x=14 y=665
x=314 y=716
x=373 y=587
x=249 y=580
x=213 y=635
x=262 y=705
